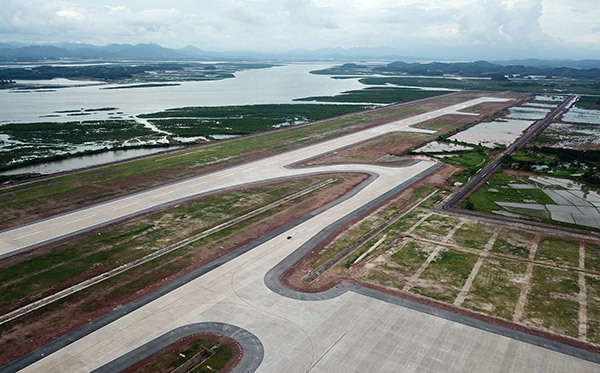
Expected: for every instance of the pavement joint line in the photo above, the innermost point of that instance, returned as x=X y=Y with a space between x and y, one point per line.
x=326 y=352
x=28 y=234
x=118 y=270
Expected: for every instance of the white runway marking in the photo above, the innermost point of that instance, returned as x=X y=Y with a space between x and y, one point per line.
x=165 y=194
x=80 y=219
x=125 y=206
x=196 y=185
x=27 y=235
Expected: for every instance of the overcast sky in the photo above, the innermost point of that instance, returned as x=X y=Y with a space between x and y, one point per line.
x=459 y=29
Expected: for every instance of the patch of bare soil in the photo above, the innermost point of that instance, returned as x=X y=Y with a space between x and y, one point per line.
x=388 y=150
x=184 y=343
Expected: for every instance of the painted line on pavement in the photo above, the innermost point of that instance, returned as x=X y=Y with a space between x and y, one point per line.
x=125 y=206
x=165 y=194
x=80 y=219
x=27 y=235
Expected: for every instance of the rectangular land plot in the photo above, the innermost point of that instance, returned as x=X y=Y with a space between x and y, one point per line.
x=513 y=242
x=474 y=236
x=558 y=251
x=445 y=276
x=407 y=222
x=592 y=257
x=496 y=288
x=552 y=301
x=436 y=227
x=593 y=309
x=401 y=265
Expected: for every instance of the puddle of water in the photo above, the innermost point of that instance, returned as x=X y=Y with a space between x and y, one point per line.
x=223 y=137
x=84 y=161
x=527 y=113
x=436 y=147
x=190 y=139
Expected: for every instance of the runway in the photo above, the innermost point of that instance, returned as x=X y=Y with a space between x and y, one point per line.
x=348 y=332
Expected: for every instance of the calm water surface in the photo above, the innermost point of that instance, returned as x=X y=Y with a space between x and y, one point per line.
x=276 y=85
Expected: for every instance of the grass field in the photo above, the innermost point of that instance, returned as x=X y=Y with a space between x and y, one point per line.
x=79 y=259
x=243 y=120
x=552 y=301
x=497 y=189
x=589 y=102
x=26 y=279
x=496 y=288
x=32 y=143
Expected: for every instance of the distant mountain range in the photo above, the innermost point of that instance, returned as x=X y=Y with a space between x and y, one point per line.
x=19 y=52
x=151 y=51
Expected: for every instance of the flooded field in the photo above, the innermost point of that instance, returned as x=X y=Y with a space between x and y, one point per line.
x=75 y=163
x=577 y=115
x=573 y=203
x=550 y=98
x=492 y=134
x=539 y=104
x=529 y=113
x=571 y=136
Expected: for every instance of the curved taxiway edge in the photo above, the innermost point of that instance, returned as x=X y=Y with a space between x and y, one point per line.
x=253 y=351
x=272 y=278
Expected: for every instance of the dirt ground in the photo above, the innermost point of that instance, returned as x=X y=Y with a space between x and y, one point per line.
x=182 y=345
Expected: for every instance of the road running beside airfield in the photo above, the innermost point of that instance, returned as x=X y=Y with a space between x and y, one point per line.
x=348 y=331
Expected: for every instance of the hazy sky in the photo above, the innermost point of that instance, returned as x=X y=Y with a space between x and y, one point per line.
x=459 y=29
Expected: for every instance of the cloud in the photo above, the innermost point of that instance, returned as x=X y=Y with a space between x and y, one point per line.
x=417 y=27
